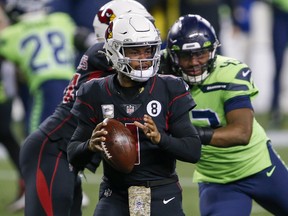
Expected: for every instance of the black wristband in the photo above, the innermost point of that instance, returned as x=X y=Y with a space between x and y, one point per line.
x=205 y=134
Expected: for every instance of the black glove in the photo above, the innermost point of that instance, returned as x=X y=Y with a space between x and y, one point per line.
x=205 y=134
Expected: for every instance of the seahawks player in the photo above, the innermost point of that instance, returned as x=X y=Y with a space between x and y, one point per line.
x=42 y=48
x=43 y=156
x=156 y=110
x=8 y=92
x=238 y=163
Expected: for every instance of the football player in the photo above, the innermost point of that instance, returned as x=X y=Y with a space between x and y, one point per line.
x=82 y=12
x=238 y=163
x=8 y=93
x=52 y=186
x=43 y=53
x=279 y=37
x=154 y=107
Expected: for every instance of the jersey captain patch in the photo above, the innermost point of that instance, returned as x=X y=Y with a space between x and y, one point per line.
x=108 y=110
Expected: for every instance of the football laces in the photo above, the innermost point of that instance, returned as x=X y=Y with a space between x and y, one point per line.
x=106 y=152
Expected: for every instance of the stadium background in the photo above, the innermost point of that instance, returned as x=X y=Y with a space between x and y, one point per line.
x=254 y=49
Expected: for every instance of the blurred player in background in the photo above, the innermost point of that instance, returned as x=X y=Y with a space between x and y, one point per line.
x=49 y=170
x=83 y=13
x=155 y=108
x=280 y=42
x=238 y=163
x=41 y=46
x=8 y=92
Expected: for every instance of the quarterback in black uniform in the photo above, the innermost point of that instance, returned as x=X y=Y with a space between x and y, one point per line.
x=155 y=107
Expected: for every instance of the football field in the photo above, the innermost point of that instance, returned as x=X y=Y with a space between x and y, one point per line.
x=91 y=184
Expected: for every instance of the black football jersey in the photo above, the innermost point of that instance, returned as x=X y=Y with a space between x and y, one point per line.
x=163 y=97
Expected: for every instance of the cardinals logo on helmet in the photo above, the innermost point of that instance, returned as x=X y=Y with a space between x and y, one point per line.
x=109 y=33
x=106 y=16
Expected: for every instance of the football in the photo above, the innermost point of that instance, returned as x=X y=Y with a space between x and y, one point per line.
x=119 y=149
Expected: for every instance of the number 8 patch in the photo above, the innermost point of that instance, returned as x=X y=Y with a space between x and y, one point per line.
x=154 y=108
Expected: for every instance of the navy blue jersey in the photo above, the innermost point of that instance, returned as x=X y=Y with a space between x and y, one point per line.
x=62 y=124
x=165 y=98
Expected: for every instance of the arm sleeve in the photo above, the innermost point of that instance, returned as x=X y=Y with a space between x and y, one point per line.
x=184 y=142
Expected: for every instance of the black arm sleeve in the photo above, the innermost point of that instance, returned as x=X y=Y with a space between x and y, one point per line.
x=184 y=142
x=78 y=153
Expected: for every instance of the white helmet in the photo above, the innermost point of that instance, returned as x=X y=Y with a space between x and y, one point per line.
x=113 y=9
x=132 y=30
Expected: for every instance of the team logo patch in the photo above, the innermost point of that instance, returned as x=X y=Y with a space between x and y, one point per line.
x=154 y=108
x=108 y=110
x=130 y=108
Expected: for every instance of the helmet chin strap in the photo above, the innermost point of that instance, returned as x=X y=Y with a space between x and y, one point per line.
x=206 y=68
x=140 y=75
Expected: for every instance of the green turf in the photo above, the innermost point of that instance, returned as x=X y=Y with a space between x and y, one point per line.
x=91 y=184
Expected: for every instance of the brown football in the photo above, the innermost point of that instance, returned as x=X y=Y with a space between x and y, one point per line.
x=119 y=147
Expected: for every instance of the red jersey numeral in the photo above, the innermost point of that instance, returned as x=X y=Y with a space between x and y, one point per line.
x=135 y=132
x=69 y=93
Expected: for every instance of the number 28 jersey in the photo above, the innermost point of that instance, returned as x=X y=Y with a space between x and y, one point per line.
x=41 y=46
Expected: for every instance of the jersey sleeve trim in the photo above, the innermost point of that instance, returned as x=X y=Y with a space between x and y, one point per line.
x=238 y=103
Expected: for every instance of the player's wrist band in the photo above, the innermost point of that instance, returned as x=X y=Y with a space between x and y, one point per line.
x=205 y=134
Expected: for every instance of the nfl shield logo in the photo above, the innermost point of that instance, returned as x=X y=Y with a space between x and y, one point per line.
x=130 y=109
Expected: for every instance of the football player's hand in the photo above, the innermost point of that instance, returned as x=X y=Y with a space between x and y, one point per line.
x=150 y=129
x=97 y=137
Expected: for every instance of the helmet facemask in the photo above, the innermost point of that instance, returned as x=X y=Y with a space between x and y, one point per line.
x=142 y=73
x=205 y=68
x=139 y=33
x=22 y=9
